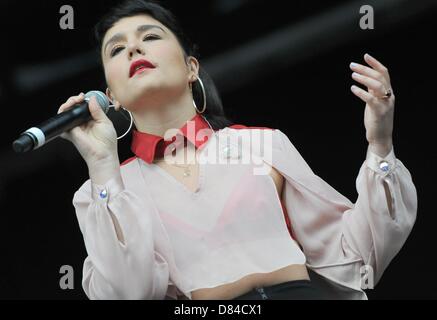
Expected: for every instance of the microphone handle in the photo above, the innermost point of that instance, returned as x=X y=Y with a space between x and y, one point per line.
x=36 y=137
x=65 y=121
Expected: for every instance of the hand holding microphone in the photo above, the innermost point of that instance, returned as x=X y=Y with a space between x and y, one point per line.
x=95 y=139
x=82 y=120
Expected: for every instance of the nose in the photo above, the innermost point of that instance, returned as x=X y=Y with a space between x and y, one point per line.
x=135 y=48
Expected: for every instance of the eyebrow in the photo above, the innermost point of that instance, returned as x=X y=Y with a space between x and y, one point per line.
x=120 y=36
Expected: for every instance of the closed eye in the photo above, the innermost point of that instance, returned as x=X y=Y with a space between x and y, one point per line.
x=116 y=50
x=148 y=37
x=151 y=37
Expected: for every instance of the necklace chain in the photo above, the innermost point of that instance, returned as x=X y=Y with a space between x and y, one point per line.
x=187 y=169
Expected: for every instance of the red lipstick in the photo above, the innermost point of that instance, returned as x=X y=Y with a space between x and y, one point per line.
x=140 y=65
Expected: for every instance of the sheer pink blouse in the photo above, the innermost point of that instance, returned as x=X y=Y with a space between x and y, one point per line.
x=177 y=241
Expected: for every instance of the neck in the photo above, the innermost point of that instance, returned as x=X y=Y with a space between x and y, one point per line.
x=170 y=115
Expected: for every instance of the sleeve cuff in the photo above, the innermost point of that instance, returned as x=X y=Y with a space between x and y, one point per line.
x=383 y=166
x=103 y=193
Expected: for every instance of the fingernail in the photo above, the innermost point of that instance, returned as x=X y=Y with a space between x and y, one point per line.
x=368 y=55
x=356 y=74
x=353 y=65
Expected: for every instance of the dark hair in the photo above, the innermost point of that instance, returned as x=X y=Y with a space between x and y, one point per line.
x=214 y=112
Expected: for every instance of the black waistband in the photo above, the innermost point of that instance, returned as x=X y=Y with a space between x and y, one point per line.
x=297 y=289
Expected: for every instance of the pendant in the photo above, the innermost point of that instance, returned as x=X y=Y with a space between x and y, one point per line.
x=187 y=173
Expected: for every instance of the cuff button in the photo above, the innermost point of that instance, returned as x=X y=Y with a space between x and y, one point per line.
x=384 y=166
x=103 y=194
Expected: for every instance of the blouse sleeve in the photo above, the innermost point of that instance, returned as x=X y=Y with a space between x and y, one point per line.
x=335 y=231
x=129 y=268
x=384 y=214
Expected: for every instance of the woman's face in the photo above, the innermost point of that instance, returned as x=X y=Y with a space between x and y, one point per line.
x=142 y=37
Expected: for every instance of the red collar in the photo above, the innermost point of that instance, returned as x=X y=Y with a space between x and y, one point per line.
x=148 y=146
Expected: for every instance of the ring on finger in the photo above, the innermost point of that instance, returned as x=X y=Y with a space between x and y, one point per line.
x=388 y=94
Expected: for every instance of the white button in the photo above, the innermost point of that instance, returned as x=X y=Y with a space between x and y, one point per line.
x=384 y=166
x=227 y=152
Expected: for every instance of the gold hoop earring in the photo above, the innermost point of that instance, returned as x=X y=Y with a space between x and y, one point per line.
x=204 y=97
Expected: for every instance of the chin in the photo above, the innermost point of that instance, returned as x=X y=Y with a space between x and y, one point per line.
x=140 y=100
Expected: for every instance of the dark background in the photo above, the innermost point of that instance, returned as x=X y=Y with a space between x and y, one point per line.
x=298 y=81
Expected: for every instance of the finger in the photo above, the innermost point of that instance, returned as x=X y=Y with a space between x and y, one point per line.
x=370 y=83
x=96 y=110
x=376 y=64
x=65 y=105
x=71 y=102
x=77 y=134
x=366 y=71
x=363 y=94
x=65 y=136
x=75 y=99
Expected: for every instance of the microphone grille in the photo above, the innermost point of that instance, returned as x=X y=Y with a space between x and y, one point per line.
x=102 y=99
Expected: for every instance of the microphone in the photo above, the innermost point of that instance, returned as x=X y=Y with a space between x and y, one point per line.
x=36 y=137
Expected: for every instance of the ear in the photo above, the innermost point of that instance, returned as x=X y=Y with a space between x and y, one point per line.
x=193 y=69
x=116 y=104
